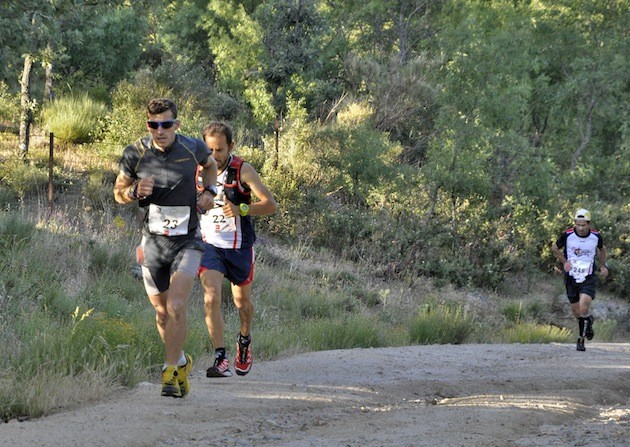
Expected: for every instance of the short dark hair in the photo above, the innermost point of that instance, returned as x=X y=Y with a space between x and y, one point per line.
x=218 y=128
x=161 y=105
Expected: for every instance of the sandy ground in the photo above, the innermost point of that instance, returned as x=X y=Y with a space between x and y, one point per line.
x=466 y=395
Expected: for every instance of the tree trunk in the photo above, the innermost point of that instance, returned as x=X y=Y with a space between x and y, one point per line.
x=585 y=124
x=49 y=93
x=26 y=117
x=434 y=198
x=276 y=133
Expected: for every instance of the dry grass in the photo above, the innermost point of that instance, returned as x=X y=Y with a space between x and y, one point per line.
x=44 y=398
x=301 y=291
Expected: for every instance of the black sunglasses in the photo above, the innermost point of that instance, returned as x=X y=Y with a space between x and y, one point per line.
x=165 y=124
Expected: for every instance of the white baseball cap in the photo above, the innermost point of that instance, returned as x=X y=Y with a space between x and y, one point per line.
x=583 y=214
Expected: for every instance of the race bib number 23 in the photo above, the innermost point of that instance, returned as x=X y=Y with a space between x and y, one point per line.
x=168 y=220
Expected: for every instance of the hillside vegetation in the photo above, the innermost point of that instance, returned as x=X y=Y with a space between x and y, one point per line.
x=424 y=156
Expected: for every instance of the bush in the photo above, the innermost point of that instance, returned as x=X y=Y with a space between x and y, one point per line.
x=518 y=313
x=440 y=324
x=197 y=101
x=74 y=119
x=535 y=333
x=614 y=224
x=347 y=333
x=14 y=232
x=9 y=107
x=22 y=177
x=514 y=312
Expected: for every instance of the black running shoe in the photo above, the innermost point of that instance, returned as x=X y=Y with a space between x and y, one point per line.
x=589 y=332
x=221 y=368
x=580 y=345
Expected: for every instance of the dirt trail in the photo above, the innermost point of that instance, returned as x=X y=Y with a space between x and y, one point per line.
x=465 y=395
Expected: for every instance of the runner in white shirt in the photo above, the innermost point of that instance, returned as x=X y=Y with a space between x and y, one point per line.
x=229 y=236
x=577 y=248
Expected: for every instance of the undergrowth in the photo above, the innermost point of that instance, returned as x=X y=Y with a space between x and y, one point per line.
x=74 y=313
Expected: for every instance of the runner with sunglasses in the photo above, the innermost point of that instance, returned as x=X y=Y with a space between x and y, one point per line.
x=160 y=172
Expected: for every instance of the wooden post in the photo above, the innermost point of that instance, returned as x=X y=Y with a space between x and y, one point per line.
x=276 y=128
x=51 y=153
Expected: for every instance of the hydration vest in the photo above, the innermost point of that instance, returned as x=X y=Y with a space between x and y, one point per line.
x=233 y=189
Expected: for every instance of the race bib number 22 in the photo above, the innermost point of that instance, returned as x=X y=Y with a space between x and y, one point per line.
x=214 y=221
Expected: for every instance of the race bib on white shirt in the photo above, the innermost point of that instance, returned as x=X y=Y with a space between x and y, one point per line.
x=168 y=220
x=214 y=221
x=579 y=270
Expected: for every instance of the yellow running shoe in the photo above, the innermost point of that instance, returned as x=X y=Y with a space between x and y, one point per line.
x=170 y=384
x=182 y=376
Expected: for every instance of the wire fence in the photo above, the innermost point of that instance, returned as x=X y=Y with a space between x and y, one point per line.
x=51 y=140
x=51 y=162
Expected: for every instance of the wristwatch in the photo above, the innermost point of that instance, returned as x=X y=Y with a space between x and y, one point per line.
x=212 y=189
x=244 y=209
x=132 y=192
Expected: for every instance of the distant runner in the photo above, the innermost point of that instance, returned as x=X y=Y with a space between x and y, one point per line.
x=576 y=249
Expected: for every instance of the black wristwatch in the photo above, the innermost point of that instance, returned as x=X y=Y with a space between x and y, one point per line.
x=132 y=192
x=212 y=189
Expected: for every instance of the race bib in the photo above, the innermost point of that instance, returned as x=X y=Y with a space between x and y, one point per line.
x=214 y=221
x=168 y=220
x=579 y=270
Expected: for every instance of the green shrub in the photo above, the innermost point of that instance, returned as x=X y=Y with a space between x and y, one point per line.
x=197 y=101
x=535 y=333
x=109 y=350
x=514 y=312
x=105 y=260
x=517 y=312
x=619 y=279
x=340 y=333
x=7 y=198
x=74 y=119
x=440 y=324
x=314 y=304
x=97 y=191
x=126 y=120
x=9 y=107
x=14 y=232
x=535 y=310
x=606 y=331
x=22 y=177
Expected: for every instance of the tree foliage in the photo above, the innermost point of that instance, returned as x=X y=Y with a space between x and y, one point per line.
x=445 y=138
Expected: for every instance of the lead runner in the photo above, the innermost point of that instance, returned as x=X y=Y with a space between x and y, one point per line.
x=160 y=171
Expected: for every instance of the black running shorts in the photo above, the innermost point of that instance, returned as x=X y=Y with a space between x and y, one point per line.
x=574 y=289
x=165 y=255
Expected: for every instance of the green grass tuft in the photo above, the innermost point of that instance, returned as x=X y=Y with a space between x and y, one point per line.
x=441 y=324
x=535 y=333
x=74 y=119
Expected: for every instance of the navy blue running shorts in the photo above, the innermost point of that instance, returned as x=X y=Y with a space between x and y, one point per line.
x=237 y=265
